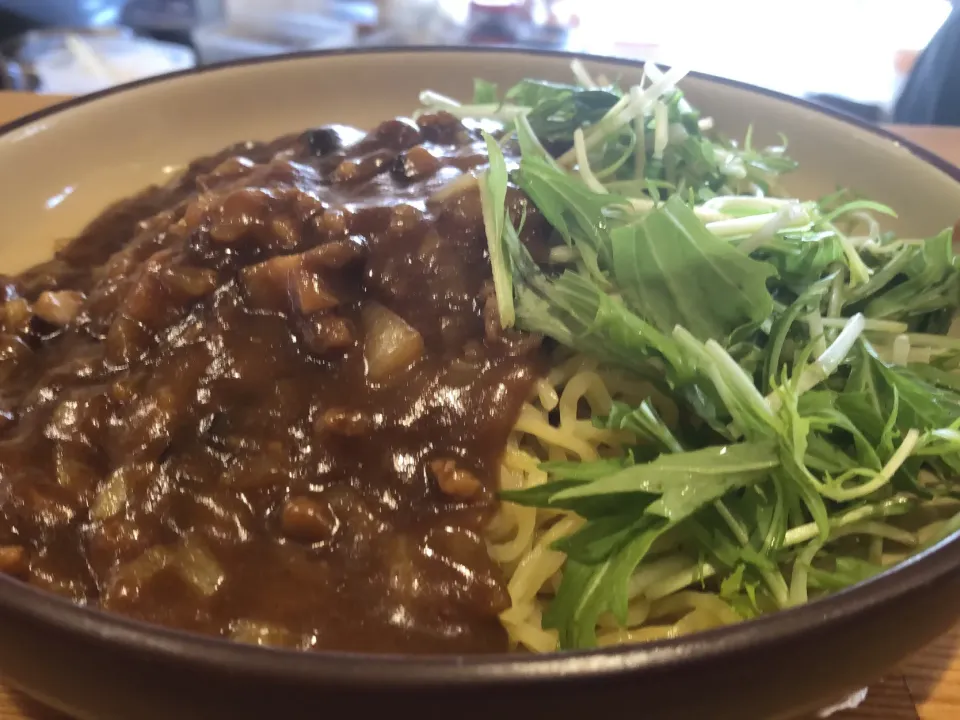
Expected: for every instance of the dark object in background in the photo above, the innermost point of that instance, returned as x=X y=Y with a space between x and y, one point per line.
x=11 y=24
x=11 y=78
x=46 y=60
x=522 y=22
x=171 y=20
x=495 y=22
x=171 y=15
x=164 y=20
x=66 y=13
x=931 y=95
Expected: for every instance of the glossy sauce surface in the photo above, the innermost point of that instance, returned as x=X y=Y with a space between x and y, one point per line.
x=269 y=400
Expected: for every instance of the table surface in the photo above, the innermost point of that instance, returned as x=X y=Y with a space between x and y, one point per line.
x=925 y=687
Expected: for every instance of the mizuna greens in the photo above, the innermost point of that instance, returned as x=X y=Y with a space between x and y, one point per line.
x=808 y=352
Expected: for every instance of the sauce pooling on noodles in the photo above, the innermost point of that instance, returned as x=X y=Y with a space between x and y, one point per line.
x=270 y=400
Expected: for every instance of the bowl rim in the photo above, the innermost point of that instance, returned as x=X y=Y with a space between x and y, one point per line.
x=371 y=670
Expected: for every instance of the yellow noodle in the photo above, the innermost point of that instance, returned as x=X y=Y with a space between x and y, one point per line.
x=547 y=395
x=511 y=550
x=696 y=621
x=513 y=530
x=541 y=563
x=637 y=614
x=559 y=375
x=547 y=515
x=687 y=601
x=532 y=635
x=587 y=386
x=519 y=613
x=555 y=453
x=585 y=430
x=504 y=524
x=645 y=634
x=927 y=532
x=517 y=459
x=531 y=421
x=521 y=538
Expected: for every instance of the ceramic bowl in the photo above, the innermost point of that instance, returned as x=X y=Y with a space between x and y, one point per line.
x=59 y=168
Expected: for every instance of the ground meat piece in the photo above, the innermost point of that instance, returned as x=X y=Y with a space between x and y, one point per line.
x=454 y=480
x=13 y=560
x=330 y=138
x=365 y=167
x=442 y=128
x=340 y=421
x=416 y=163
x=326 y=333
x=308 y=520
x=397 y=134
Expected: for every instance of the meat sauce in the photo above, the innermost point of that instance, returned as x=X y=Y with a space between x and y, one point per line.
x=269 y=400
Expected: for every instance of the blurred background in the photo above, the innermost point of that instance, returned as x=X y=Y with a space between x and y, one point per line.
x=854 y=54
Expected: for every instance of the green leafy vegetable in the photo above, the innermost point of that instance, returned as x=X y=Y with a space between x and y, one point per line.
x=931 y=282
x=484 y=92
x=672 y=271
x=493 y=199
x=588 y=590
x=803 y=353
x=685 y=481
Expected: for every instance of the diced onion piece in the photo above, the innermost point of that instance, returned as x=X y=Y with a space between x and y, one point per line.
x=198 y=566
x=312 y=292
x=390 y=344
x=188 y=282
x=435 y=99
x=458 y=186
x=254 y=632
x=112 y=497
x=267 y=284
x=58 y=307
x=336 y=254
x=271 y=284
x=131 y=576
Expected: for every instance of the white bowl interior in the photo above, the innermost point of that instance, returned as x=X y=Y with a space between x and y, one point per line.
x=58 y=172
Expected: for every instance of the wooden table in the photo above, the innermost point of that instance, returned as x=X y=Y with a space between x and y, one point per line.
x=926 y=687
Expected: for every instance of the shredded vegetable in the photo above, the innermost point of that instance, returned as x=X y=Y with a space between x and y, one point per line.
x=814 y=377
